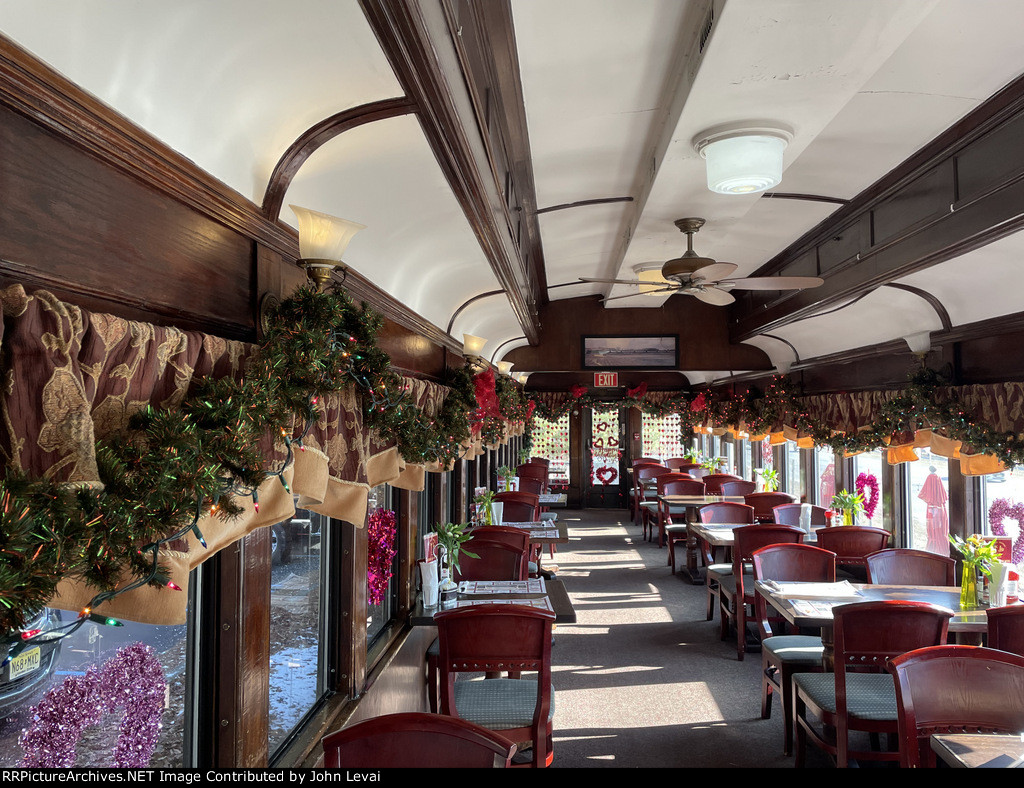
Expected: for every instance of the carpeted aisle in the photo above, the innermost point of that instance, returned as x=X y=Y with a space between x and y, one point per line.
x=642 y=679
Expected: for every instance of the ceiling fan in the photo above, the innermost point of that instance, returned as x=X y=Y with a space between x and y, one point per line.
x=705 y=278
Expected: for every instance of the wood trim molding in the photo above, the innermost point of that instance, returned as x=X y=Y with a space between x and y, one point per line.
x=316 y=136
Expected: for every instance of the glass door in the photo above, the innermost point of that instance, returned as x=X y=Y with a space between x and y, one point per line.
x=606 y=486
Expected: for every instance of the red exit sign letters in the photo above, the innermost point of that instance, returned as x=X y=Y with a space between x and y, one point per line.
x=605 y=379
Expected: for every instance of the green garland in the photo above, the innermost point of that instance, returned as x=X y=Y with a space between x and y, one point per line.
x=169 y=468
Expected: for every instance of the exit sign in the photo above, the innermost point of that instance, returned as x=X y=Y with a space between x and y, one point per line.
x=605 y=379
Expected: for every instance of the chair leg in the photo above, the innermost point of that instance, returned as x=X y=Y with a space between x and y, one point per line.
x=766 y=686
x=741 y=627
x=433 y=669
x=713 y=592
x=800 y=735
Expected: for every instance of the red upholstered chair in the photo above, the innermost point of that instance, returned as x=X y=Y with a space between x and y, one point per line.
x=785 y=654
x=645 y=499
x=741 y=487
x=489 y=638
x=719 y=512
x=635 y=493
x=789 y=514
x=650 y=510
x=502 y=554
x=867 y=634
x=1006 y=629
x=713 y=481
x=955 y=689
x=852 y=544
x=736 y=591
x=765 y=502
x=519 y=507
x=539 y=461
x=416 y=740
x=902 y=567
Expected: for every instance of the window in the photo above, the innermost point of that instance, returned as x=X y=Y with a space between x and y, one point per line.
x=794 y=477
x=297 y=672
x=378 y=616
x=747 y=460
x=551 y=441
x=928 y=481
x=824 y=476
x=662 y=436
x=870 y=463
x=1007 y=486
x=728 y=451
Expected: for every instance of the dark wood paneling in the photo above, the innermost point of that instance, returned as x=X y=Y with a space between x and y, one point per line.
x=928 y=196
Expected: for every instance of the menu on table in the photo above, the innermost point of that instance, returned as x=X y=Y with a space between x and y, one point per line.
x=534 y=585
x=535 y=524
x=540 y=603
x=840 y=590
x=805 y=607
x=544 y=533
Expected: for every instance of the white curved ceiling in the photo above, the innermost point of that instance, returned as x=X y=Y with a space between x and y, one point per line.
x=615 y=91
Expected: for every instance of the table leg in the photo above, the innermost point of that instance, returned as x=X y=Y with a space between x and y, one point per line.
x=693 y=572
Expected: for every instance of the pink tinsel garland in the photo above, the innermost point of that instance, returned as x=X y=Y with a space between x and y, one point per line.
x=1000 y=509
x=868 y=480
x=380 y=533
x=132 y=680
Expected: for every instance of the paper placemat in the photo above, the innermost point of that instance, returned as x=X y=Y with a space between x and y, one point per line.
x=535 y=585
x=543 y=603
x=840 y=590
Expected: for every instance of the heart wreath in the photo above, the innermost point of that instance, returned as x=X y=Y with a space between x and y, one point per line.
x=606 y=474
x=869 y=482
x=1000 y=509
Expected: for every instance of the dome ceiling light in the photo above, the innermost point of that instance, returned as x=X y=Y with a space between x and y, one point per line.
x=744 y=159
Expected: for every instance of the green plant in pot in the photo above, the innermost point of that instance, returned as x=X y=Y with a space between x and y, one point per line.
x=849 y=503
x=769 y=479
x=692 y=455
x=710 y=464
x=506 y=474
x=451 y=537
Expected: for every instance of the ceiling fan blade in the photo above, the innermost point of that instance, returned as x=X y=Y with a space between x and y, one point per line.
x=611 y=281
x=775 y=283
x=714 y=296
x=672 y=289
x=714 y=272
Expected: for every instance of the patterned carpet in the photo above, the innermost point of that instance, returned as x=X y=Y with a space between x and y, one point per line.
x=642 y=679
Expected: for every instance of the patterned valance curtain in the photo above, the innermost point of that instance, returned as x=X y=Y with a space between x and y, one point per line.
x=72 y=377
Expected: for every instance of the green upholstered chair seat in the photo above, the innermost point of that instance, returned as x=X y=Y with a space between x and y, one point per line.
x=498 y=704
x=728 y=581
x=869 y=696
x=650 y=505
x=794 y=649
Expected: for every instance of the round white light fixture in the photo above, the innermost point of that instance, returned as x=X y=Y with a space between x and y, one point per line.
x=652 y=283
x=743 y=160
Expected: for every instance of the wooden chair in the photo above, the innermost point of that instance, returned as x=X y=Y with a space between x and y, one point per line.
x=736 y=591
x=635 y=492
x=642 y=473
x=955 y=689
x=650 y=507
x=1006 y=629
x=519 y=507
x=852 y=544
x=741 y=487
x=681 y=464
x=867 y=634
x=786 y=654
x=719 y=512
x=789 y=514
x=539 y=461
x=677 y=486
x=487 y=638
x=416 y=740
x=765 y=502
x=532 y=471
x=713 y=481
x=903 y=567
x=531 y=484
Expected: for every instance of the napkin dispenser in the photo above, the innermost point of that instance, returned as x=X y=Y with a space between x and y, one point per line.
x=430 y=583
x=805 y=517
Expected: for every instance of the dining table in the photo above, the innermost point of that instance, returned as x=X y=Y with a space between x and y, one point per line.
x=553 y=499
x=809 y=606
x=543 y=593
x=979 y=750
x=689 y=506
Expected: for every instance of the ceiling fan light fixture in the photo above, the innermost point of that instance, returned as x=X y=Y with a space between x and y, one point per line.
x=651 y=282
x=743 y=160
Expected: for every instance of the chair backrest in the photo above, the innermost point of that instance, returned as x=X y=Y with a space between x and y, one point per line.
x=518 y=538
x=751 y=538
x=668 y=478
x=529 y=471
x=765 y=502
x=726 y=512
x=416 y=740
x=713 y=481
x=905 y=567
x=538 y=461
x=1006 y=629
x=646 y=461
x=789 y=514
x=680 y=486
x=519 y=507
x=490 y=638
x=853 y=543
x=794 y=562
x=962 y=689
x=495 y=559
x=681 y=464
x=741 y=487
x=531 y=484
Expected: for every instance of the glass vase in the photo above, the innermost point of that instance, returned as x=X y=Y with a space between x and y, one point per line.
x=848 y=517
x=969 y=589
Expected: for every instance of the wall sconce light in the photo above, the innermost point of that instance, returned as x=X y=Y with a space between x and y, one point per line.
x=473 y=349
x=783 y=367
x=521 y=377
x=505 y=368
x=919 y=344
x=743 y=159
x=322 y=242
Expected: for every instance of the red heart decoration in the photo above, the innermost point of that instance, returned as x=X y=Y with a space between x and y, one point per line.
x=613 y=442
x=607 y=474
x=598 y=443
x=601 y=427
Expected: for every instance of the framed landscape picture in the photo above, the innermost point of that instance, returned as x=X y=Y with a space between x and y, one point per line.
x=630 y=352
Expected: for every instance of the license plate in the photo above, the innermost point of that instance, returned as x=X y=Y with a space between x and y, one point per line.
x=25 y=662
